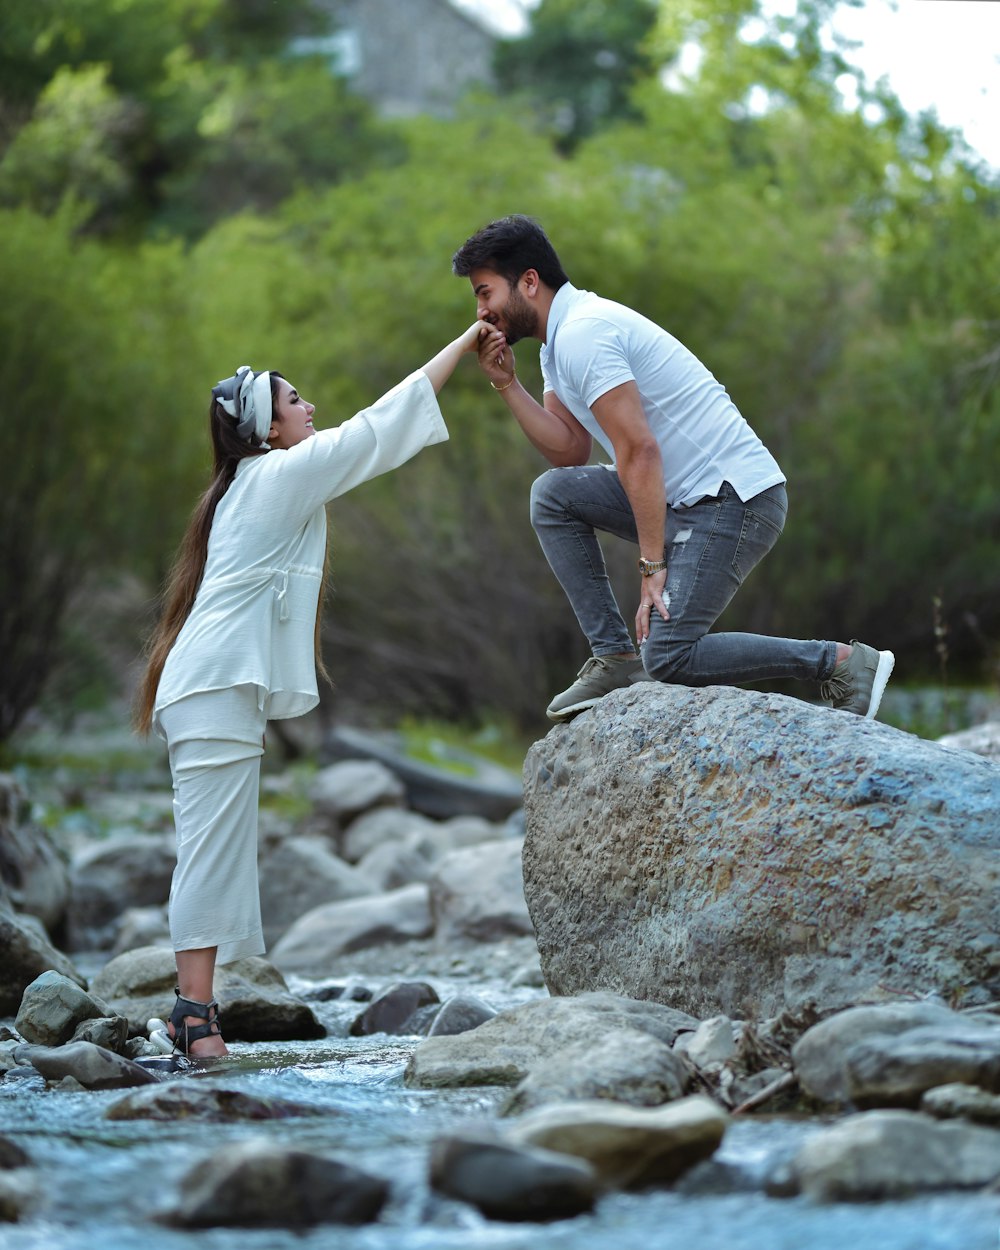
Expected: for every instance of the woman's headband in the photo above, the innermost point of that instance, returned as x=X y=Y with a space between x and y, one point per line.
x=247 y=397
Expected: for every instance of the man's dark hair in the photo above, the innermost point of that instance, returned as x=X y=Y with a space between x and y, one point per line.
x=509 y=246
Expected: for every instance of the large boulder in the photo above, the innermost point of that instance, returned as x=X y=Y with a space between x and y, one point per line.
x=27 y=953
x=731 y=851
x=301 y=873
x=133 y=870
x=477 y=893
x=33 y=873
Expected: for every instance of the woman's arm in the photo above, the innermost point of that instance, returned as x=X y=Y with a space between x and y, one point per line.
x=440 y=368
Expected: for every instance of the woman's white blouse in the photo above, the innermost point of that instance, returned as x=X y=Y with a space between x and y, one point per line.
x=254 y=615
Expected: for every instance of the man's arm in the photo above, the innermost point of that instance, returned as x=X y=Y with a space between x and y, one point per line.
x=550 y=427
x=620 y=414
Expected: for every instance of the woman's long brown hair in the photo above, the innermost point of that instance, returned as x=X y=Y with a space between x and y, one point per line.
x=185 y=577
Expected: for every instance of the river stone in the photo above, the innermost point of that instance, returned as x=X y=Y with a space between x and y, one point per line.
x=820 y=1054
x=52 y=1007
x=380 y=826
x=893 y=1154
x=343 y=790
x=898 y=1071
x=460 y=1014
x=254 y=997
x=21 y=1190
x=141 y=926
x=392 y=865
x=982 y=739
x=508 y=1182
x=629 y=1067
x=299 y=874
x=629 y=1147
x=108 y=1032
x=257 y=1184
x=214 y=1104
x=34 y=874
x=12 y=1156
x=732 y=851
x=336 y=929
x=962 y=1102
x=393 y=1009
x=477 y=892
x=712 y=1043
x=106 y=879
x=503 y=1050
x=27 y=953
x=93 y=1066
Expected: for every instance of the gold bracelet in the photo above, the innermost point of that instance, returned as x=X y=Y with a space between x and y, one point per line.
x=513 y=379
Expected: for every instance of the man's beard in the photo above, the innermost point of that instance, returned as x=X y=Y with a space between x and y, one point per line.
x=520 y=319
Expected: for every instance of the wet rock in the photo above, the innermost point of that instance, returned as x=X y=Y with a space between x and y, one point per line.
x=341 y=791
x=106 y=879
x=180 y=1100
x=898 y=1071
x=508 y=1182
x=21 y=1192
x=393 y=1010
x=478 y=893
x=712 y=1043
x=300 y=874
x=255 y=1000
x=12 y=1156
x=816 y=859
x=820 y=1055
x=503 y=1050
x=382 y=826
x=962 y=1102
x=33 y=872
x=335 y=929
x=627 y=1146
x=460 y=1014
x=27 y=953
x=110 y=1032
x=893 y=1154
x=93 y=1066
x=53 y=1007
x=256 y=1184
x=629 y=1067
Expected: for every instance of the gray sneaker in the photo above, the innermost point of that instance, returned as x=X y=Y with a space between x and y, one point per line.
x=598 y=677
x=858 y=683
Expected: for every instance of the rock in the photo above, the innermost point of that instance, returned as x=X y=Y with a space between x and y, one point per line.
x=300 y=874
x=255 y=1000
x=898 y=1071
x=93 y=1066
x=627 y=1146
x=27 y=953
x=393 y=1009
x=482 y=788
x=503 y=1050
x=460 y=1014
x=341 y=791
x=962 y=1102
x=713 y=1042
x=34 y=874
x=183 y=1101
x=394 y=864
x=630 y=1067
x=106 y=879
x=508 y=1182
x=141 y=926
x=257 y=1184
x=732 y=851
x=528 y=975
x=382 y=826
x=52 y=1007
x=981 y=739
x=108 y=1032
x=478 y=893
x=893 y=1154
x=12 y=1156
x=336 y=929
x=820 y=1054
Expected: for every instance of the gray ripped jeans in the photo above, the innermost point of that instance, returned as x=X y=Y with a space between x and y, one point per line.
x=711 y=547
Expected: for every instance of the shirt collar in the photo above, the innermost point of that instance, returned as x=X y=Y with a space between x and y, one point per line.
x=558 y=309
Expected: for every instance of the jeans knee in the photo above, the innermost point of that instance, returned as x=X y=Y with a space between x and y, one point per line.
x=667 y=663
x=544 y=495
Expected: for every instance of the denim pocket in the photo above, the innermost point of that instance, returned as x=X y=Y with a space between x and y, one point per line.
x=757 y=537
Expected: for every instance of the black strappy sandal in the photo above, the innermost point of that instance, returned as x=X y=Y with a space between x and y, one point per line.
x=185 y=1035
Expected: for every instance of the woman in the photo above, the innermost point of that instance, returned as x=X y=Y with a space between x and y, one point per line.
x=238 y=643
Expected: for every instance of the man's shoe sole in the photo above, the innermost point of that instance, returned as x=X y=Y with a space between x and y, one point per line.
x=565 y=713
x=886 y=663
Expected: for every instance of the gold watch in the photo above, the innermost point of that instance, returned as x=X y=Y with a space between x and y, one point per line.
x=648 y=567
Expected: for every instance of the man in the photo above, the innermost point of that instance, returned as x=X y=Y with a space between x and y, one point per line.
x=690 y=483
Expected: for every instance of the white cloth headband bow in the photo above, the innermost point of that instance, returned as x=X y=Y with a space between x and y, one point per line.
x=247 y=397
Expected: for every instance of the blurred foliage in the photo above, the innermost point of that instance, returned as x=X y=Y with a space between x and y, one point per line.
x=182 y=197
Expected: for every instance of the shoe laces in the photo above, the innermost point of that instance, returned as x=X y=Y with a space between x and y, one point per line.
x=836 y=688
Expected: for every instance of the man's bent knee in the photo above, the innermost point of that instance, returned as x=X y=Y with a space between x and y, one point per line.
x=668 y=663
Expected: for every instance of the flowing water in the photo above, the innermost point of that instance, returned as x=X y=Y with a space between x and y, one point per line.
x=105 y=1181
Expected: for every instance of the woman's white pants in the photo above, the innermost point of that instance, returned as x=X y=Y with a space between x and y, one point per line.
x=215 y=742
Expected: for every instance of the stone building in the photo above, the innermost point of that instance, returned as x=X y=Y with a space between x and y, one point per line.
x=407 y=56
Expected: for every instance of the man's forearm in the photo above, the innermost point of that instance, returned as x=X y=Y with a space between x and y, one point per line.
x=641 y=476
x=558 y=442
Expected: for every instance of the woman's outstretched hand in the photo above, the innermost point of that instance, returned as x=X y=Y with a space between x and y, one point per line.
x=496 y=359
